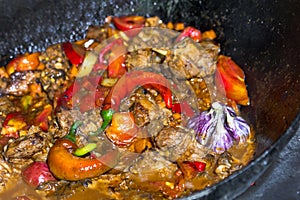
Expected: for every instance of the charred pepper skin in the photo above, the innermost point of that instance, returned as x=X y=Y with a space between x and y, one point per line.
x=64 y=165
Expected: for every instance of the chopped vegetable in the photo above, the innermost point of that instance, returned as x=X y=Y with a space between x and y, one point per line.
x=184 y=108
x=130 y=24
x=24 y=63
x=107 y=117
x=37 y=173
x=219 y=127
x=88 y=63
x=26 y=101
x=41 y=119
x=72 y=133
x=191 y=32
x=200 y=166
x=74 y=52
x=123 y=129
x=13 y=123
x=230 y=77
x=116 y=67
x=86 y=149
x=210 y=35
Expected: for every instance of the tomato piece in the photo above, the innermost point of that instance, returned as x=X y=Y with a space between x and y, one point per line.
x=24 y=63
x=123 y=129
x=13 y=123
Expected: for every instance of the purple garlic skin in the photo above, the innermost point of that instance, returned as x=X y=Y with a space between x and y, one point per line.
x=219 y=127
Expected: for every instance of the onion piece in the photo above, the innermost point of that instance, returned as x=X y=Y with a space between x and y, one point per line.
x=109 y=82
x=88 y=63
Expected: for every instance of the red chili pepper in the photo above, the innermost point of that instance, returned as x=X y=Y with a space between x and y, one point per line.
x=131 y=24
x=191 y=32
x=64 y=165
x=184 y=108
x=74 y=52
x=230 y=77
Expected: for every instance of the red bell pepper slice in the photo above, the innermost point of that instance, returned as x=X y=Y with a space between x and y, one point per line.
x=116 y=67
x=134 y=79
x=184 y=108
x=123 y=130
x=191 y=32
x=131 y=24
x=230 y=77
x=74 y=52
x=65 y=99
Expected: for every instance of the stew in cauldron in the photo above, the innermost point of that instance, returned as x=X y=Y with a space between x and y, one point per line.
x=139 y=108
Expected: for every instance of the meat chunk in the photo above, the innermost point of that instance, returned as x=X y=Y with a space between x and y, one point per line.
x=173 y=142
x=19 y=83
x=139 y=59
x=29 y=146
x=152 y=38
x=151 y=166
x=99 y=33
x=56 y=76
x=178 y=144
x=91 y=120
x=202 y=56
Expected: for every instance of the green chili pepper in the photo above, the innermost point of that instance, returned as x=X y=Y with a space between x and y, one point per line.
x=107 y=117
x=86 y=149
x=72 y=133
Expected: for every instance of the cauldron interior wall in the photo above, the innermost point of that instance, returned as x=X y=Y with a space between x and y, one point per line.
x=261 y=36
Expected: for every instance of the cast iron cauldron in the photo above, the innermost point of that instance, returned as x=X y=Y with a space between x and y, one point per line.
x=261 y=36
